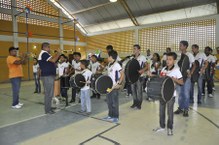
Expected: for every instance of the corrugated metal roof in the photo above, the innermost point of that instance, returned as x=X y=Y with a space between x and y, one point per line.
x=101 y=15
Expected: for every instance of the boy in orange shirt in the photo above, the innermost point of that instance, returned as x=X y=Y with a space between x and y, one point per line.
x=15 y=74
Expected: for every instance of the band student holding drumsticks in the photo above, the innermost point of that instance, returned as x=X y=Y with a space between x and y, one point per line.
x=95 y=67
x=184 y=90
x=48 y=73
x=85 y=91
x=174 y=72
x=63 y=66
x=77 y=69
x=137 y=87
x=115 y=72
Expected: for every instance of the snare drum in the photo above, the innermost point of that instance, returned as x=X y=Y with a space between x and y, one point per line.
x=77 y=81
x=160 y=88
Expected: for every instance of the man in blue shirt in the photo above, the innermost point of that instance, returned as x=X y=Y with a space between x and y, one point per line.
x=48 y=73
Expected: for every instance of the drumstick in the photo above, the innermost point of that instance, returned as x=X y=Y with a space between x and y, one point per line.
x=83 y=82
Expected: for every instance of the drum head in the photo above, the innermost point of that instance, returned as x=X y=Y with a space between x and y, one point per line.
x=184 y=65
x=167 y=89
x=79 y=80
x=102 y=84
x=131 y=71
x=93 y=80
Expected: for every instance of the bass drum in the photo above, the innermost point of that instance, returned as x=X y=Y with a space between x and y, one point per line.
x=160 y=88
x=77 y=81
x=131 y=71
x=94 y=77
x=103 y=83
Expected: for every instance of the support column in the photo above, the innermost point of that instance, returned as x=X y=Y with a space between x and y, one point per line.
x=136 y=37
x=14 y=23
x=60 y=31
x=217 y=31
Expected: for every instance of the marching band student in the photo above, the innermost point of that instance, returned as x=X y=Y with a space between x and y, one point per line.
x=149 y=56
x=201 y=61
x=209 y=74
x=77 y=69
x=95 y=66
x=155 y=64
x=110 y=48
x=116 y=74
x=63 y=71
x=164 y=58
x=137 y=87
x=36 y=74
x=174 y=72
x=85 y=91
x=184 y=90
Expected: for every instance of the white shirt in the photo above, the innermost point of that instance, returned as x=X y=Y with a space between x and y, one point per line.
x=211 y=59
x=35 y=68
x=149 y=57
x=175 y=73
x=94 y=67
x=191 y=58
x=76 y=65
x=114 y=70
x=201 y=57
x=61 y=68
x=141 y=60
x=87 y=75
x=118 y=58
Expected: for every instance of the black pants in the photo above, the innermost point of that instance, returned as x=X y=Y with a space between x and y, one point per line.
x=74 y=92
x=64 y=93
x=209 y=85
x=170 y=106
x=113 y=104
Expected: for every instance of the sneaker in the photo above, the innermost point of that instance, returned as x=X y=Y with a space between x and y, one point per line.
x=210 y=95
x=51 y=112
x=133 y=106
x=203 y=94
x=178 y=111
x=159 y=129
x=88 y=113
x=186 y=113
x=108 y=118
x=16 y=107
x=169 y=132
x=81 y=111
x=115 y=120
x=20 y=104
x=139 y=107
x=214 y=89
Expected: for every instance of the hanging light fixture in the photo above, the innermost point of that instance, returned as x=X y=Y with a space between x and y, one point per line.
x=112 y=1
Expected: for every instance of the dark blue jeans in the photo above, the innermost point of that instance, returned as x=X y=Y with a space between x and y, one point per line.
x=184 y=95
x=113 y=103
x=16 y=84
x=200 y=85
x=37 y=83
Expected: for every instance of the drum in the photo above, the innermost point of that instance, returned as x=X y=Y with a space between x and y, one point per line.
x=77 y=81
x=64 y=81
x=94 y=77
x=131 y=71
x=184 y=65
x=160 y=88
x=103 y=83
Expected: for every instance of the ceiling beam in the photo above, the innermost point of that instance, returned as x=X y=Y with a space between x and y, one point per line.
x=91 y=8
x=129 y=12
